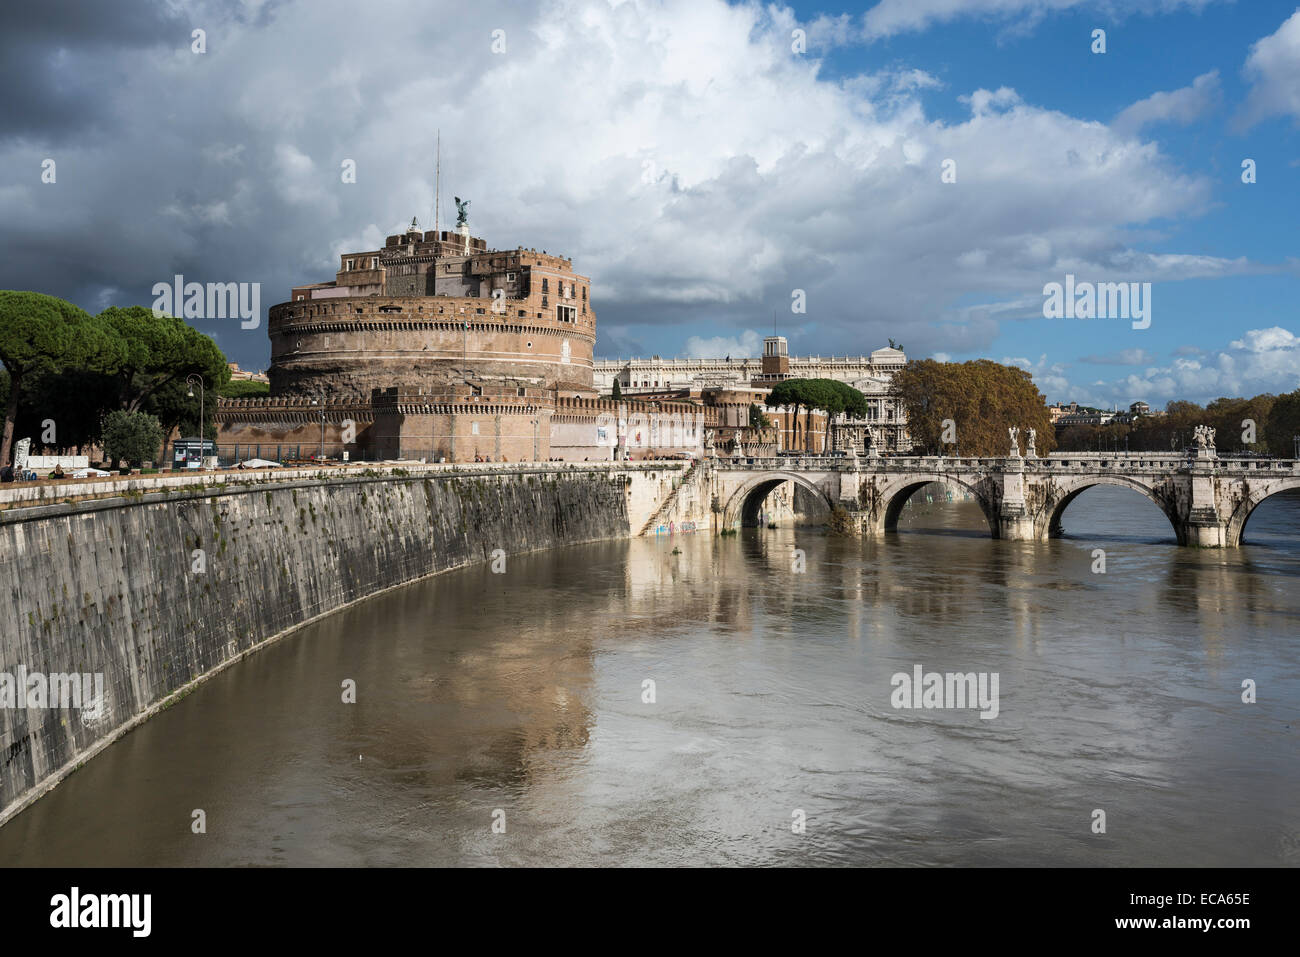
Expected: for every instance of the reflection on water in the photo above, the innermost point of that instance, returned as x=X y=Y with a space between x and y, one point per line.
x=523 y=692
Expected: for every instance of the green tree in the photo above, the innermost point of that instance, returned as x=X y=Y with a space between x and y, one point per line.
x=158 y=350
x=132 y=436
x=757 y=420
x=1283 y=424
x=848 y=400
x=829 y=395
x=791 y=393
x=1078 y=438
x=73 y=401
x=1233 y=419
x=243 y=389
x=42 y=334
x=618 y=391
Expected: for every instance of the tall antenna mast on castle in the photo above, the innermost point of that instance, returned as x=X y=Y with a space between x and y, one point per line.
x=437 y=186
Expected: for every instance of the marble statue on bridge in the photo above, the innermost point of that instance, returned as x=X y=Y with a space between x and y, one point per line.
x=1014 y=434
x=1031 y=436
x=1203 y=436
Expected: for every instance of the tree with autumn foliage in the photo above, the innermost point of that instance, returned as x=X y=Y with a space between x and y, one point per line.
x=982 y=398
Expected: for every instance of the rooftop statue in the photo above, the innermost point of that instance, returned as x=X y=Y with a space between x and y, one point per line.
x=462 y=211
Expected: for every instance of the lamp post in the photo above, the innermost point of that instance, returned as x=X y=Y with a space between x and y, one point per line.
x=192 y=380
x=319 y=399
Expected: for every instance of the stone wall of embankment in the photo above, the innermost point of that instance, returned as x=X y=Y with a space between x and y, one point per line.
x=156 y=591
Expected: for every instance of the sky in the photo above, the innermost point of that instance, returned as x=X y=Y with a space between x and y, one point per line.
x=919 y=170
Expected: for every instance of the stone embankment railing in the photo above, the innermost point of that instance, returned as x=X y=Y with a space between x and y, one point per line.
x=62 y=492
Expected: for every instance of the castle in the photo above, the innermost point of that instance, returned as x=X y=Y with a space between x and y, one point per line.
x=436 y=347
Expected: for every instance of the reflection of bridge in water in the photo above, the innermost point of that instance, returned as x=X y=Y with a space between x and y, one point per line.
x=1207 y=499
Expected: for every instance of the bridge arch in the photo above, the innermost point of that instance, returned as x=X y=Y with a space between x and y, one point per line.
x=1241 y=514
x=894 y=496
x=745 y=501
x=1054 y=507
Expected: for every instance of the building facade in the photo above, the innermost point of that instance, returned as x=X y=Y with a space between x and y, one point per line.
x=732 y=383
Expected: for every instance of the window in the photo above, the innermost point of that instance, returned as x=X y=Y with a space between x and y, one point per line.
x=351 y=263
x=374 y=262
x=565 y=313
x=510 y=277
x=584 y=293
x=473 y=429
x=300 y=298
x=545 y=283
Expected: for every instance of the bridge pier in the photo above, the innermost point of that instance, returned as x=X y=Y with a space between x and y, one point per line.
x=1015 y=523
x=1204 y=527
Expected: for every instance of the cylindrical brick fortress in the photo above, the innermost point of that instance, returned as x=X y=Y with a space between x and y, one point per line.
x=347 y=346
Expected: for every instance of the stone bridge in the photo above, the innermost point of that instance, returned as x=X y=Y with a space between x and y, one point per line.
x=1207 y=499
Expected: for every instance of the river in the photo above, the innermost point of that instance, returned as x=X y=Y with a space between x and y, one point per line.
x=518 y=699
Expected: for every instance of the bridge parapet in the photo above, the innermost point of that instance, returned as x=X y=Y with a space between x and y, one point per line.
x=1143 y=462
x=1207 y=498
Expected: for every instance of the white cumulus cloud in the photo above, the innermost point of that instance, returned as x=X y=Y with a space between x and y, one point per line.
x=1182 y=106
x=748 y=344
x=1273 y=67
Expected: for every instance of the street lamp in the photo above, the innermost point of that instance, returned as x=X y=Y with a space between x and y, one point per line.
x=319 y=399
x=192 y=380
